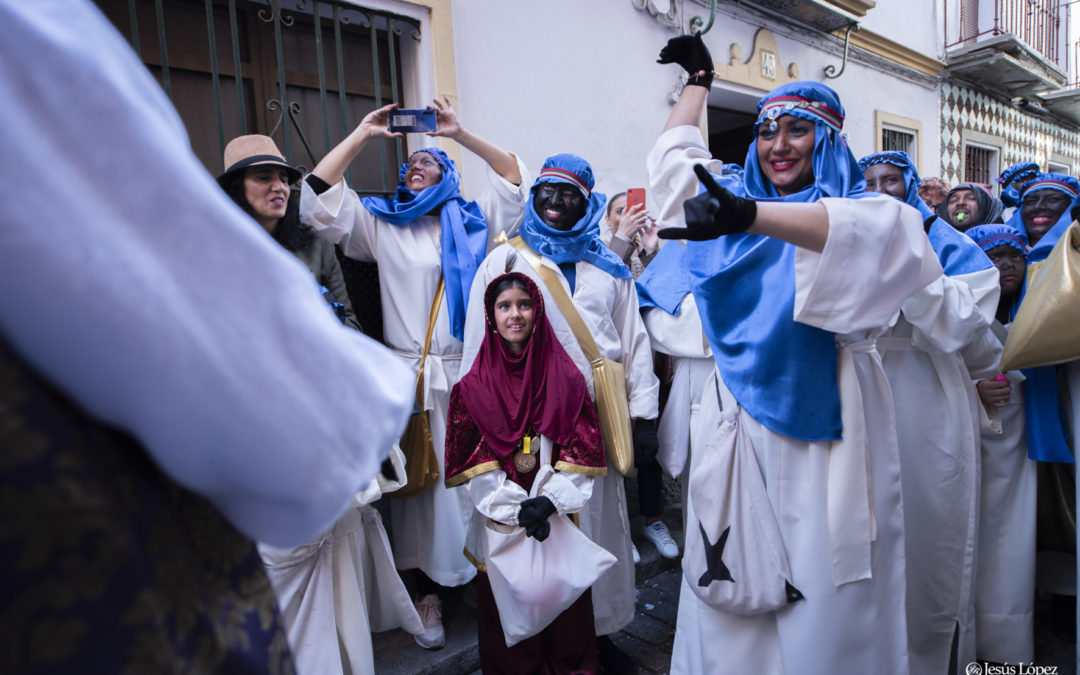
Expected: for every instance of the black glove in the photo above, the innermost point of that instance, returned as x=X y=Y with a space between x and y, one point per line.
x=712 y=213
x=690 y=52
x=533 y=517
x=646 y=444
x=538 y=530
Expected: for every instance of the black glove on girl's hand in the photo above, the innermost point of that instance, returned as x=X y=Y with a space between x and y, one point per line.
x=690 y=52
x=538 y=530
x=533 y=516
x=712 y=213
x=646 y=444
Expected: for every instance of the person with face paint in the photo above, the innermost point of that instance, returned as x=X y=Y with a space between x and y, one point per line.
x=562 y=226
x=968 y=205
x=523 y=414
x=796 y=271
x=1044 y=205
x=938 y=344
x=1052 y=411
x=424 y=236
x=1005 y=573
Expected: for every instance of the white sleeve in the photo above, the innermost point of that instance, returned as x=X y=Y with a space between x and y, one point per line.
x=948 y=312
x=681 y=335
x=642 y=385
x=339 y=217
x=670 y=166
x=503 y=203
x=876 y=256
x=495 y=496
x=134 y=284
x=568 y=492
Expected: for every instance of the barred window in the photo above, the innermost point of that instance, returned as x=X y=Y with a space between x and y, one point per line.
x=332 y=62
x=980 y=164
x=896 y=139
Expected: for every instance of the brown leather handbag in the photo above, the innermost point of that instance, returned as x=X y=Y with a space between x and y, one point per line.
x=421 y=463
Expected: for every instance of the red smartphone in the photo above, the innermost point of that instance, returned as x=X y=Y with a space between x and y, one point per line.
x=635 y=196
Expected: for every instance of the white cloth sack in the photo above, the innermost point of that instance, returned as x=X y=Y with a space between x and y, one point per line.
x=535 y=581
x=735 y=559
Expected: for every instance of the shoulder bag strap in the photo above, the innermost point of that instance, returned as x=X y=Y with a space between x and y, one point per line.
x=562 y=299
x=432 y=316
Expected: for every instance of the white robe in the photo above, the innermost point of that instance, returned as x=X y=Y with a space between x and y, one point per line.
x=335 y=591
x=138 y=288
x=681 y=337
x=937 y=413
x=875 y=257
x=1005 y=573
x=428 y=530
x=609 y=307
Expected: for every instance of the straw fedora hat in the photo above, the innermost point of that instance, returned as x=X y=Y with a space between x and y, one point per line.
x=253 y=150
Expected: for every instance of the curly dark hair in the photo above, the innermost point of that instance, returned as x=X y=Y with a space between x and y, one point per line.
x=289 y=231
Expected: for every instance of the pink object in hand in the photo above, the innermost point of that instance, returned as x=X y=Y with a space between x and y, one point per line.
x=1001 y=378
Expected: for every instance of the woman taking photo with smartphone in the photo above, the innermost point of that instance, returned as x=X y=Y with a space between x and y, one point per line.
x=425 y=237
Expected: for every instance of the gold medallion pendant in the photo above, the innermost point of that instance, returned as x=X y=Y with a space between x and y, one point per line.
x=525 y=458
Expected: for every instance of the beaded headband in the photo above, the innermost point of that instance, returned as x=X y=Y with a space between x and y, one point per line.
x=782 y=105
x=1050 y=184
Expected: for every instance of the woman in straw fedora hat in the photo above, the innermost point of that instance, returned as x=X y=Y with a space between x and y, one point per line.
x=335 y=588
x=259 y=180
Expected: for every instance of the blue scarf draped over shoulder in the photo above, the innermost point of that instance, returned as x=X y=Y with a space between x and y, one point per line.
x=784 y=373
x=464 y=231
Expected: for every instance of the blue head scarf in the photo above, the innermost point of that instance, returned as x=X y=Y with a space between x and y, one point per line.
x=957 y=254
x=991 y=236
x=902 y=161
x=1068 y=186
x=582 y=241
x=1013 y=179
x=782 y=372
x=464 y=231
x=1047 y=434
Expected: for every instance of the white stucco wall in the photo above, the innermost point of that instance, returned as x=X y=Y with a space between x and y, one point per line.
x=916 y=24
x=581 y=77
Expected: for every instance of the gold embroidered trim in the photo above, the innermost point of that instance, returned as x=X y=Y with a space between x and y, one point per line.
x=465 y=475
x=583 y=470
x=475 y=563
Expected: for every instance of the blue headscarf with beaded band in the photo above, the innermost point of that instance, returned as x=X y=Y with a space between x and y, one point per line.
x=991 y=236
x=781 y=371
x=1064 y=184
x=464 y=231
x=582 y=241
x=901 y=160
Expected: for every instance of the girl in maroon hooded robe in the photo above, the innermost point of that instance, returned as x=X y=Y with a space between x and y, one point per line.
x=524 y=404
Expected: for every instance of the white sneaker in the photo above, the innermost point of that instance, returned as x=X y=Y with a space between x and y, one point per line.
x=637 y=556
x=430 y=610
x=658 y=534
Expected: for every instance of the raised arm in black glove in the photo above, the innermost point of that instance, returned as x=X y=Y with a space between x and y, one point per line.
x=646 y=444
x=712 y=213
x=533 y=517
x=690 y=52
